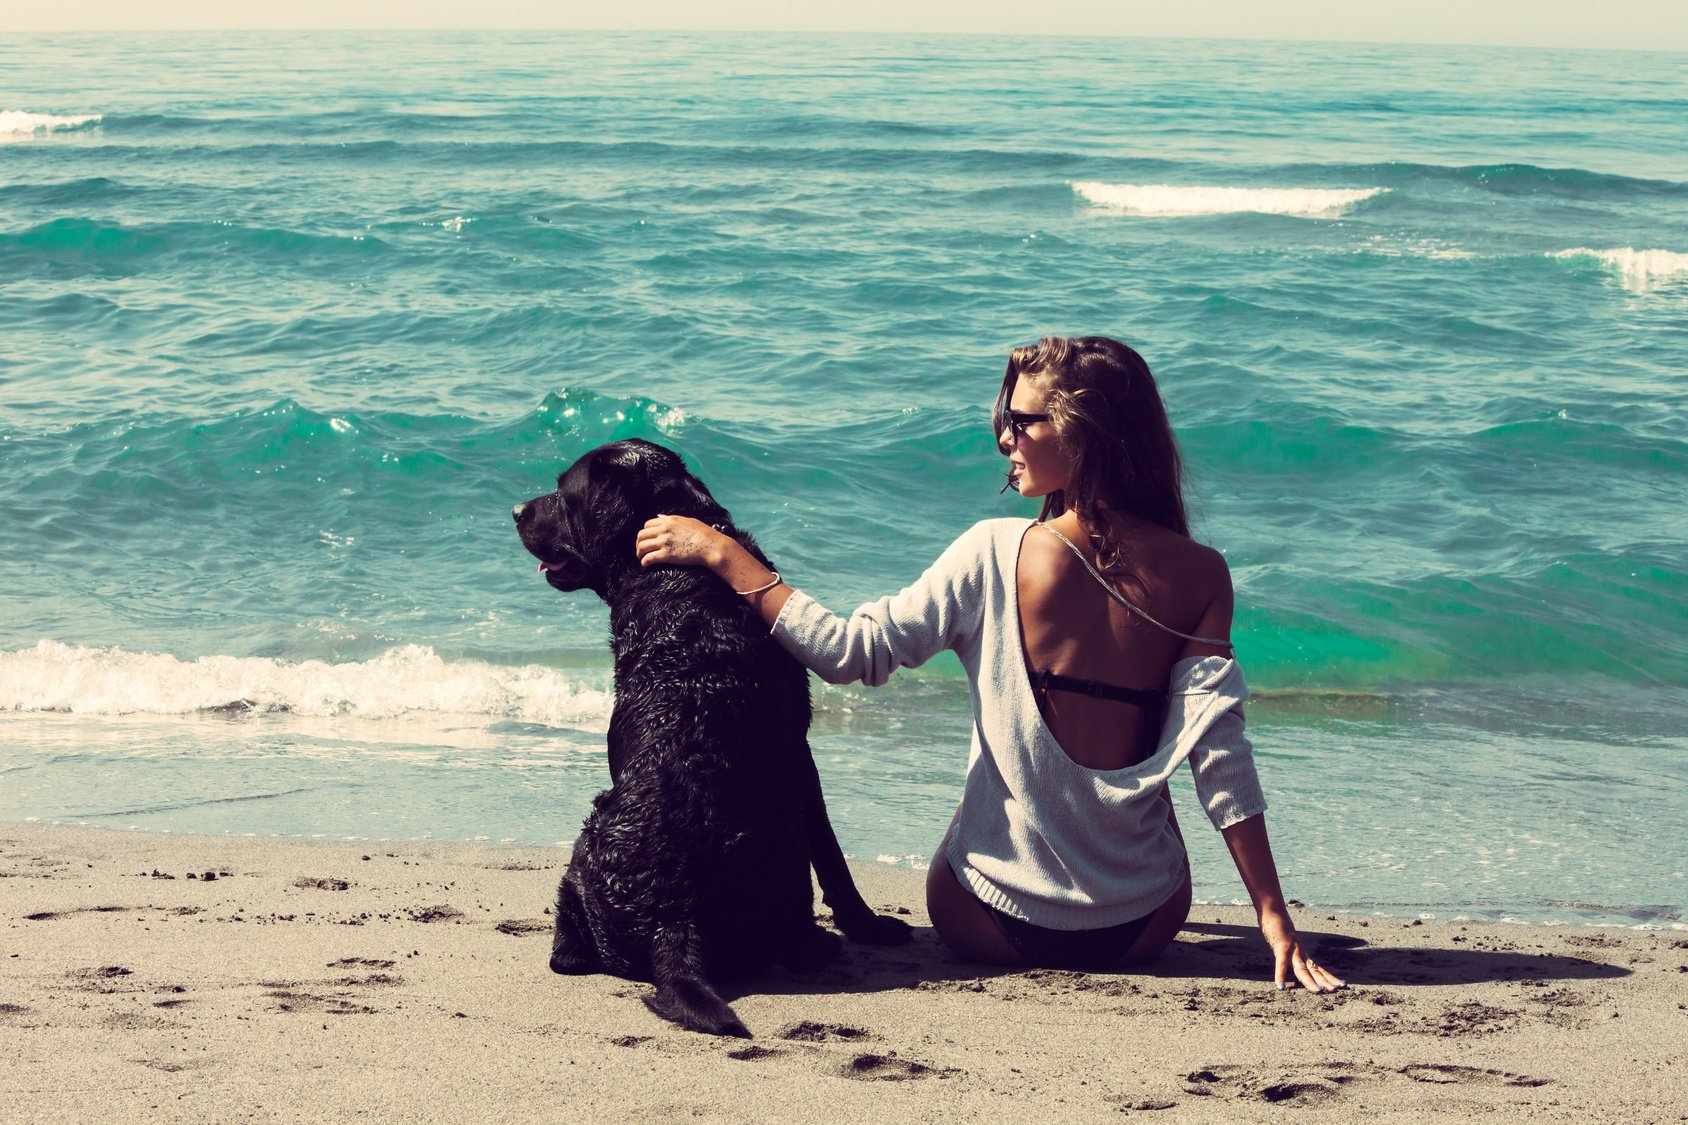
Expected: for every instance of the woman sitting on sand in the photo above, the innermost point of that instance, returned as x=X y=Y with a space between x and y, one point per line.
x=1096 y=641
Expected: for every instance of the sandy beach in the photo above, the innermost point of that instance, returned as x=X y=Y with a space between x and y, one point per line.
x=162 y=978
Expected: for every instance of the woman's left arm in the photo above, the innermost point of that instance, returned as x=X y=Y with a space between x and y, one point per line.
x=1252 y=852
x=1223 y=765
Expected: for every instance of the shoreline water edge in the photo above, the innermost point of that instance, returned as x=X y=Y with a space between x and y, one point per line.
x=163 y=977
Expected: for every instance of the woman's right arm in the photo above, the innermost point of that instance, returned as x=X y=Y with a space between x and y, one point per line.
x=901 y=631
x=683 y=541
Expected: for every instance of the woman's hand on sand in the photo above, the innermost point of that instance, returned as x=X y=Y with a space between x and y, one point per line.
x=1290 y=958
x=677 y=541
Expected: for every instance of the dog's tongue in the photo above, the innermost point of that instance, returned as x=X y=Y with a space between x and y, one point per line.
x=544 y=566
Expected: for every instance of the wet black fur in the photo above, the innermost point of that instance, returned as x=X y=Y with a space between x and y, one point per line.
x=694 y=865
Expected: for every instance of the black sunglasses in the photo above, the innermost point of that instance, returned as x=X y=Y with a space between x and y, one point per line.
x=1016 y=422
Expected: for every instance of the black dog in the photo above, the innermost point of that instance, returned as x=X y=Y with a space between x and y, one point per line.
x=694 y=864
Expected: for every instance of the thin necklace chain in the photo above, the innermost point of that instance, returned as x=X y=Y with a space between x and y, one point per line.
x=1127 y=602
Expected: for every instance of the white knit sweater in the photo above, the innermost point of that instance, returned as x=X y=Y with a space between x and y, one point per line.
x=1039 y=836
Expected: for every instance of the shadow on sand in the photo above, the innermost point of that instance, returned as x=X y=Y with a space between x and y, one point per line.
x=1204 y=950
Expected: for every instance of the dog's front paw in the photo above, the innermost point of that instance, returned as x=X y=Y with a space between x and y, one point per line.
x=571 y=963
x=876 y=929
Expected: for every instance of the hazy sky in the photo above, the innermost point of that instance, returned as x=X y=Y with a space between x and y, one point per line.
x=1651 y=24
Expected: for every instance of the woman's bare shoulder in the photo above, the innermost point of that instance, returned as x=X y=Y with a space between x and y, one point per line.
x=1205 y=562
x=1039 y=548
x=1198 y=570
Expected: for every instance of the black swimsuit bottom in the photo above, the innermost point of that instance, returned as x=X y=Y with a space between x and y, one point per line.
x=1092 y=951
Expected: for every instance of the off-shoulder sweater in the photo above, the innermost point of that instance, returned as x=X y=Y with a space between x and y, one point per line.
x=1039 y=836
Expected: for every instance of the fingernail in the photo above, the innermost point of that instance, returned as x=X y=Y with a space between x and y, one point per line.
x=1282 y=986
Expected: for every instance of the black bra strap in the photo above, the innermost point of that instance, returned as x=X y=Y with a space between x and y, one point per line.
x=1046 y=681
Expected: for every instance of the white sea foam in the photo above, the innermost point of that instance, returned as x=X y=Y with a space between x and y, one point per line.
x=1637 y=270
x=409 y=680
x=667 y=419
x=16 y=125
x=1183 y=200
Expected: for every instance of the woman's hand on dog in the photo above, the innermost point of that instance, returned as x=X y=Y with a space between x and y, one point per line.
x=679 y=541
x=683 y=541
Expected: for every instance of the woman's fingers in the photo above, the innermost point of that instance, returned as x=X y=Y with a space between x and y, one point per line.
x=1326 y=980
x=1311 y=975
x=655 y=541
x=1291 y=965
x=679 y=540
x=1315 y=977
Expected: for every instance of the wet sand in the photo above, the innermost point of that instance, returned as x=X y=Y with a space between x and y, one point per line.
x=161 y=978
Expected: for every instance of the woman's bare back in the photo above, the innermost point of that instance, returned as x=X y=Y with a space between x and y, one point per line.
x=1070 y=626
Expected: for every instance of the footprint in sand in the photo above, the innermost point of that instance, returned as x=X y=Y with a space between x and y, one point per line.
x=440 y=913
x=104 y=980
x=1140 y=1105
x=292 y=1000
x=106 y=972
x=1323 y=1082
x=889 y=1068
x=310 y=883
x=1305 y=1086
x=1469 y=1075
x=49 y=915
x=807 y=1031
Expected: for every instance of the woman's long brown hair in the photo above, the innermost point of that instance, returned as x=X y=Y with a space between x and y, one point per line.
x=1108 y=416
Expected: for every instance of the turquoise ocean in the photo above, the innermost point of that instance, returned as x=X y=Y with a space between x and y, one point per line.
x=289 y=321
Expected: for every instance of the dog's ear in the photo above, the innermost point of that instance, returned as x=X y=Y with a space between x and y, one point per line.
x=655 y=480
x=639 y=469
x=615 y=488
x=687 y=496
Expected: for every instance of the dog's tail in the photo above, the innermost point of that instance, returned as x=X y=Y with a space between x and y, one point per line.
x=683 y=993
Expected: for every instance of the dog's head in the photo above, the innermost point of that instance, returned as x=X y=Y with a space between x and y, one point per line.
x=583 y=532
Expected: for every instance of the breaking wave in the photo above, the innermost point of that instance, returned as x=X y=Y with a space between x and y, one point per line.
x=15 y=124
x=1174 y=200
x=407 y=680
x=1639 y=271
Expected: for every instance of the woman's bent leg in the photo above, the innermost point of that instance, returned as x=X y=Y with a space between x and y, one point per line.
x=962 y=921
x=1168 y=919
